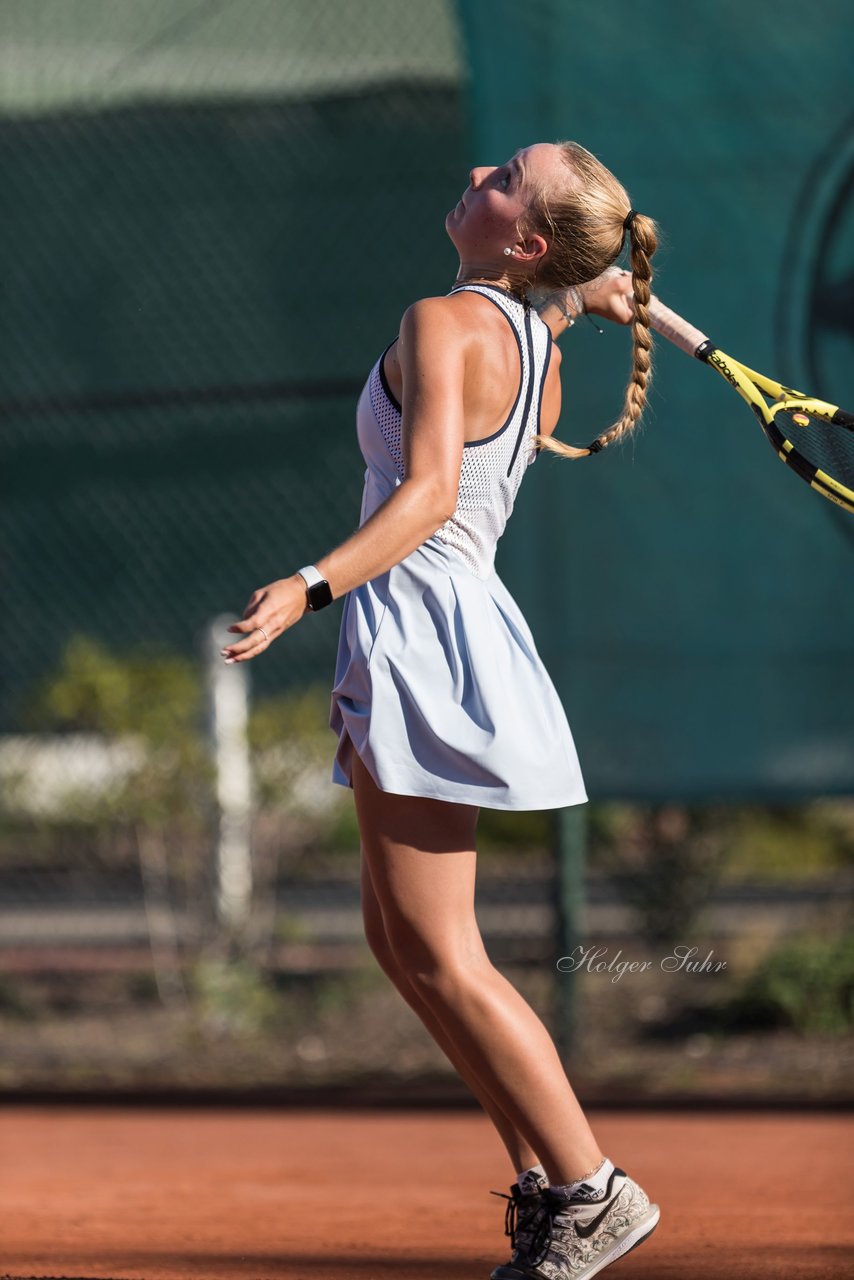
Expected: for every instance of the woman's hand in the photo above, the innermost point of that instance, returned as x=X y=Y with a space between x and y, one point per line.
x=275 y=608
x=610 y=296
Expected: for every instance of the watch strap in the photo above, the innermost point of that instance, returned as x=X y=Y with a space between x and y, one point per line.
x=318 y=590
x=311 y=575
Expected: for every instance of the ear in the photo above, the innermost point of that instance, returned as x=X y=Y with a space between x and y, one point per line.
x=530 y=250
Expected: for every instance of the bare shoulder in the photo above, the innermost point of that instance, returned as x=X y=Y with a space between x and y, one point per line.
x=430 y=313
x=432 y=329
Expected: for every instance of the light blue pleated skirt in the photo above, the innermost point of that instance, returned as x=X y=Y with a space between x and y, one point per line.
x=441 y=691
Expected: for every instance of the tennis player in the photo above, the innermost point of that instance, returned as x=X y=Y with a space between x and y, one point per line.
x=441 y=702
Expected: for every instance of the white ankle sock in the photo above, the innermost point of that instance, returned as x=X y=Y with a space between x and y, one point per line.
x=590 y=1187
x=532 y=1179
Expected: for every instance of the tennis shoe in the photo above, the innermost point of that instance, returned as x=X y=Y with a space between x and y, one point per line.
x=576 y=1237
x=525 y=1209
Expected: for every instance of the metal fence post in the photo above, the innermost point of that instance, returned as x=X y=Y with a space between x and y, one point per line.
x=570 y=846
x=228 y=721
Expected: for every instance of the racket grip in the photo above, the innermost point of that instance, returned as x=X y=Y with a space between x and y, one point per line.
x=674 y=328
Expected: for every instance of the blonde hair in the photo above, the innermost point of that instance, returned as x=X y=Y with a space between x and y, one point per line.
x=584 y=224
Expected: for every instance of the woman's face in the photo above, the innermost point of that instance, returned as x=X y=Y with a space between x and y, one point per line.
x=483 y=223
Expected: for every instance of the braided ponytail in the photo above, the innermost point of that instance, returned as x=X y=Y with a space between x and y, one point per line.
x=586 y=225
x=642 y=245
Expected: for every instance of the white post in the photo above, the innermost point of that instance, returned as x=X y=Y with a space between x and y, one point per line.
x=228 y=720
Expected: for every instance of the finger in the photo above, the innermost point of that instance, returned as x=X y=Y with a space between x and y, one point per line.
x=251 y=610
x=246 y=649
x=257 y=598
x=244 y=655
x=257 y=640
x=246 y=624
x=260 y=633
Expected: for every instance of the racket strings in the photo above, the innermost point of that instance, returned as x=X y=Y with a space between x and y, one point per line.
x=824 y=446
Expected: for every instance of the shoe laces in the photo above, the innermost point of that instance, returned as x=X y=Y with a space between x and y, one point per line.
x=519 y=1219
x=543 y=1231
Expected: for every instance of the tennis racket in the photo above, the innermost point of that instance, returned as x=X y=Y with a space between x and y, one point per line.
x=813 y=438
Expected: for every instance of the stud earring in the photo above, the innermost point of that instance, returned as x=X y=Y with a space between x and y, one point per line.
x=509 y=252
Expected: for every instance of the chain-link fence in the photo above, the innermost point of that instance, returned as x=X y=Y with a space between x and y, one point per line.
x=213 y=217
x=198 y=266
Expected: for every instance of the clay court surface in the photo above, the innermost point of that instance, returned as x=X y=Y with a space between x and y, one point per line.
x=166 y=1194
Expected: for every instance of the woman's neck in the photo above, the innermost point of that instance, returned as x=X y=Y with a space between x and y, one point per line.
x=497 y=279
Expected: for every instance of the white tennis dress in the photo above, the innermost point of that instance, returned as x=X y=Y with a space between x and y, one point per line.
x=438 y=683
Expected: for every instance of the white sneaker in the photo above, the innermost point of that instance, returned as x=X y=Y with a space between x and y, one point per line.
x=577 y=1237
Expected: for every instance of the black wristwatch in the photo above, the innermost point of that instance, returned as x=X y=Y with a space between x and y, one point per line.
x=318 y=590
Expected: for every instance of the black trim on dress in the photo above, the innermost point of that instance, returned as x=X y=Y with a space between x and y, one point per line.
x=539 y=448
x=530 y=391
x=384 y=380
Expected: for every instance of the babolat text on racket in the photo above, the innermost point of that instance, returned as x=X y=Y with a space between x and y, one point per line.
x=814 y=438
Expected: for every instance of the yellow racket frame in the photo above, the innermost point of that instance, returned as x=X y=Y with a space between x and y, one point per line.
x=748 y=383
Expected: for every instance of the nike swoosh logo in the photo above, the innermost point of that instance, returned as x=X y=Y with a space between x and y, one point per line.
x=587 y=1229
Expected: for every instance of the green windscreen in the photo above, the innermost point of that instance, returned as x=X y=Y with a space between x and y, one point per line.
x=693 y=599
x=213 y=217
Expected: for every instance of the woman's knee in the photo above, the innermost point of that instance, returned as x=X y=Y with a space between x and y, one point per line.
x=374 y=925
x=377 y=940
x=434 y=967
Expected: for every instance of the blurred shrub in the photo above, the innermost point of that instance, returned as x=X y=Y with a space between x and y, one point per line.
x=230 y=996
x=806 y=983
x=293 y=748
x=667 y=860
x=148 y=698
x=148 y=691
x=795 y=842
x=664 y=860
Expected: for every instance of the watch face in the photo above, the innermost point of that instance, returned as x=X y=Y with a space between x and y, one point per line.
x=320 y=595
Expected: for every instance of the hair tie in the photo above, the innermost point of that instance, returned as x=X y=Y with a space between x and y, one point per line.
x=629 y=219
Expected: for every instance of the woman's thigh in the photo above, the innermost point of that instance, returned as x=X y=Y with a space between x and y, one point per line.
x=419 y=861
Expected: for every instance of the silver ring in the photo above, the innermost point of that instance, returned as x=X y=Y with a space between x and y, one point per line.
x=263 y=633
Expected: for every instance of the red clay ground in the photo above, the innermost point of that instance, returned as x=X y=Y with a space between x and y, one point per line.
x=216 y=1195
